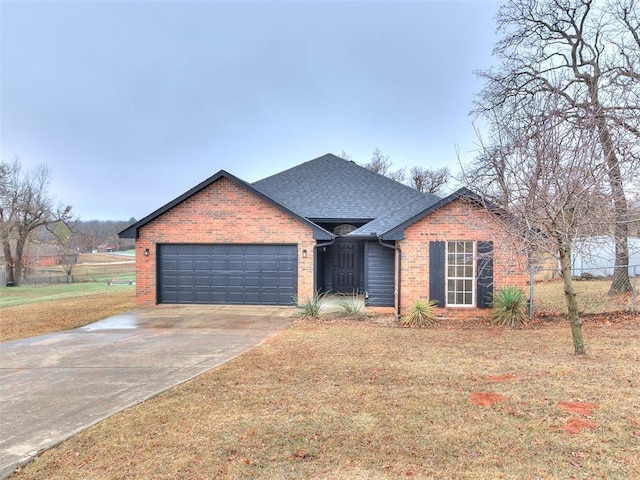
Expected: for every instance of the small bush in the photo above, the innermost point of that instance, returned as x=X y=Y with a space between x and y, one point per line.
x=509 y=307
x=421 y=314
x=352 y=304
x=312 y=306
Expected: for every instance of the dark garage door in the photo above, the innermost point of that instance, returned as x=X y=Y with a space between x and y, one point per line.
x=227 y=274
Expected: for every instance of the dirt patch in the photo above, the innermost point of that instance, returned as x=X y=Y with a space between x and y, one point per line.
x=486 y=399
x=580 y=408
x=577 y=425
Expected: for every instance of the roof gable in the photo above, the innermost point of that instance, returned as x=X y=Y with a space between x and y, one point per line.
x=132 y=231
x=397 y=232
x=330 y=187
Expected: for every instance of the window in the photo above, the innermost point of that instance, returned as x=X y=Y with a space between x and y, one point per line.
x=344 y=229
x=460 y=273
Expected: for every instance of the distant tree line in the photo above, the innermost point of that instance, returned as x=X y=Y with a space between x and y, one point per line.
x=86 y=236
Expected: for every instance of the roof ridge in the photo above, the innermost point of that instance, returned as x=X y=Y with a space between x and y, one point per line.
x=299 y=165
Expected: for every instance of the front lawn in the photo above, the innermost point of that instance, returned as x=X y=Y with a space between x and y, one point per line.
x=351 y=400
x=27 y=310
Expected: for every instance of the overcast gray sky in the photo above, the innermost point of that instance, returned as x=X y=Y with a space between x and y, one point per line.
x=131 y=103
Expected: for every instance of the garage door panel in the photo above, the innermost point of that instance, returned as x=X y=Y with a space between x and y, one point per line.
x=252 y=266
x=288 y=280
x=186 y=296
x=186 y=264
x=170 y=280
x=235 y=296
x=227 y=273
x=170 y=249
x=202 y=281
x=269 y=265
x=282 y=299
x=217 y=297
x=202 y=249
x=236 y=265
x=202 y=266
x=169 y=264
x=255 y=249
x=252 y=296
x=270 y=282
x=275 y=249
x=170 y=296
x=218 y=264
x=202 y=296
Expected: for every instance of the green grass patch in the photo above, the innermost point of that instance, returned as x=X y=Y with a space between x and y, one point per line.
x=25 y=295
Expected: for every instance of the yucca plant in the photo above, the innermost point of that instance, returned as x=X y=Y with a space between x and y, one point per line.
x=509 y=307
x=311 y=306
x=352 y=304
x=421 y=314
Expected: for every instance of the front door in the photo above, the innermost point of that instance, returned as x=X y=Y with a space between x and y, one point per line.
x=346 y=278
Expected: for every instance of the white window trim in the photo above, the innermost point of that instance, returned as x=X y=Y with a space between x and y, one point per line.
x=473 y=276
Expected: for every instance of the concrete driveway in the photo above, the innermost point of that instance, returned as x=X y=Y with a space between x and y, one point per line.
x=53 y=386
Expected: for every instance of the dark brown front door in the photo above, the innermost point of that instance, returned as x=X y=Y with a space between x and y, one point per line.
x=345 y=267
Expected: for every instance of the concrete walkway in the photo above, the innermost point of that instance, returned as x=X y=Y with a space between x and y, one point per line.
x=53 y=386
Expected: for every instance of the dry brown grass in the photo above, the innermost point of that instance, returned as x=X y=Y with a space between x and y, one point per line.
x=592 y=295
x=354 y=400
x=30 y=319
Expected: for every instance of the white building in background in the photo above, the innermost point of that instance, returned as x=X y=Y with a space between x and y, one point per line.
x=596 y=256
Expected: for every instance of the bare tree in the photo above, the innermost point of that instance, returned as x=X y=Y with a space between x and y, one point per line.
x=585 y=55
x=427 y=180
x=345 y=156
x=552 y=178
x=25 y=205
x=63 y=238
x=382 y=165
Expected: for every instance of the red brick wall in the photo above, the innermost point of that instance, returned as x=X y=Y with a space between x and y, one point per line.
x=459 y=220
x=224 y=212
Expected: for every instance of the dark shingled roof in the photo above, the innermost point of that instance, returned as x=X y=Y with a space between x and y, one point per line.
x=330 y=187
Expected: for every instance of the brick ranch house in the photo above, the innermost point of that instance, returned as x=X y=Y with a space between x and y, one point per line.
x=326 y=225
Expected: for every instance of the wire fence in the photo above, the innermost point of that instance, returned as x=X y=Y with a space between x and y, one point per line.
x=108 y=273
x=595 y=288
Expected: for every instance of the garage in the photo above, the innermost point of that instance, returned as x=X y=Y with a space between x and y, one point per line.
x=247 y=274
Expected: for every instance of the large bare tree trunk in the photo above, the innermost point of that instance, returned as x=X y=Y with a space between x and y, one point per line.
x=564 y=251
x=620 y=282
x=18 y=261
x=8 y=262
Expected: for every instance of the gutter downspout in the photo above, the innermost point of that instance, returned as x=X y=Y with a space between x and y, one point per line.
x=397 y=249
x=315 y=260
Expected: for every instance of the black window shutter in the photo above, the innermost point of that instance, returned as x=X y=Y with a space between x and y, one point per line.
x=484 y=285
x=436 y=272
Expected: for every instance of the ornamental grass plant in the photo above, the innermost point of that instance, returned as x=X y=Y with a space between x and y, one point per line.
x=509 y=307
x=421 y=314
